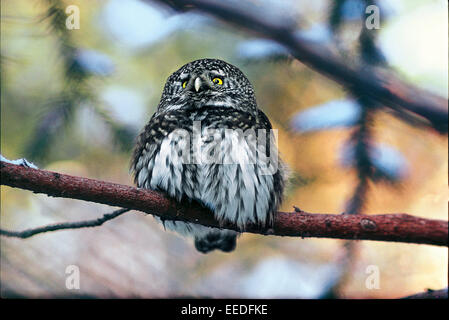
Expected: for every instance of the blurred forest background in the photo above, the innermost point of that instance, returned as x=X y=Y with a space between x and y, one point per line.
x=73 y=101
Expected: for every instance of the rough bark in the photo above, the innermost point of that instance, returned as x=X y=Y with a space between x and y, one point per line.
x=384 y=227
x=429 y=294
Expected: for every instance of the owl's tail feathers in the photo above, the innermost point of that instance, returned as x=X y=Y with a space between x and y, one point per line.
x=223 y=240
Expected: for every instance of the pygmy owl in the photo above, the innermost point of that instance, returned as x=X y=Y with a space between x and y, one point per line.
x=208 y=142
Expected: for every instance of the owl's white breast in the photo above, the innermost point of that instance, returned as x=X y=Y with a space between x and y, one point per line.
x=230 y=185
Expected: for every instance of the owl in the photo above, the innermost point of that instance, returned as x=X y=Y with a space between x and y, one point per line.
x=209 y=142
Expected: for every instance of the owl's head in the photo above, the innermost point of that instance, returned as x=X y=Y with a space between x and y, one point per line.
x=208 y=83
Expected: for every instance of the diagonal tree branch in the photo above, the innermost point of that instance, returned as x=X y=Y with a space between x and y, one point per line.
x=383 y=227
x=382 y=87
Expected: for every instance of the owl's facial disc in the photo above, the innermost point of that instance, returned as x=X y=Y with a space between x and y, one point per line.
x=202 y=82
x=205 y=88
x=208 y=83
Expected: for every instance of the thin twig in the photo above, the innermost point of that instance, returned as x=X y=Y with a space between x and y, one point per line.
x=64 y=225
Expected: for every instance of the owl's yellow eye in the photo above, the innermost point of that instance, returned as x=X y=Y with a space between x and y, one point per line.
x=217 y=81
x=184 y=84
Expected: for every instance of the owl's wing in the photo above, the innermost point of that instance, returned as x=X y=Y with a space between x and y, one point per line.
x=263 y=120
x=280 y=176
x=149 y=141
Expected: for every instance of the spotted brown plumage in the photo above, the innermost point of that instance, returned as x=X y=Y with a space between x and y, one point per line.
x=208 y=142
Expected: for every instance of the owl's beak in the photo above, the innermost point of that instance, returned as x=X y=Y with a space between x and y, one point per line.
x=197 y=84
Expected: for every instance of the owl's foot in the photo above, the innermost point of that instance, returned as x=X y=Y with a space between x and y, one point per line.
x=19 y=162
x=216 y=240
